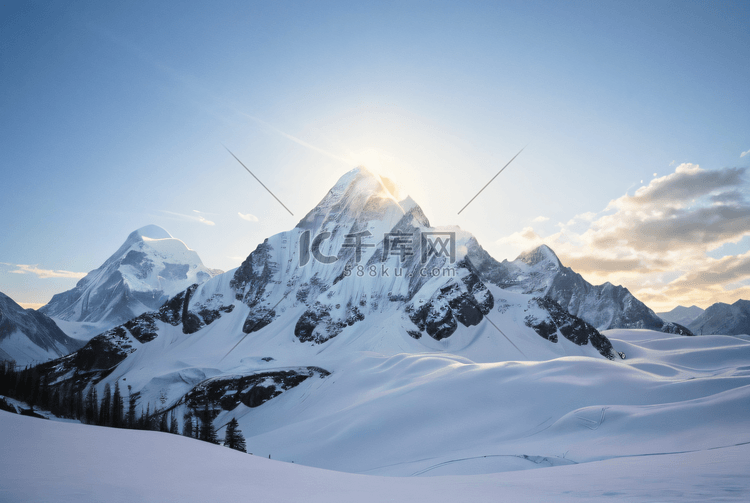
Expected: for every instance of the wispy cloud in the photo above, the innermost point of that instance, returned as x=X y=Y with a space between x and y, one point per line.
x=43 y=273
x=300 y=142
x=743 y=154
x=194 y=218
x=247 y=216
x=587 y=217
x=525 y=239
x=540 y=219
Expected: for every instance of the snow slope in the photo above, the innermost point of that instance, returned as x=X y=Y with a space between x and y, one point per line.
x=140 y=276
x=668 y=423
x=28 y=336
x=388 y=408
x=433 y=414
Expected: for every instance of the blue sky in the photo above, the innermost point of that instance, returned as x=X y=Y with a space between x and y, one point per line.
x=113 y=116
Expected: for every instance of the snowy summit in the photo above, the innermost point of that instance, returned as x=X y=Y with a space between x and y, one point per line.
x=149 y=268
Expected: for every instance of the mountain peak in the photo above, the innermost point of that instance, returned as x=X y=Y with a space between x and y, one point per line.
x=152 y=231
x=541 y=253
x=148 y=268
x=361 y=195
x=362 y=179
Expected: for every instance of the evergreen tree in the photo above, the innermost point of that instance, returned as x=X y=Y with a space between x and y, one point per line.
x=105 y=411
x=163 y=425
x=131 y=408
x=78 y=409
x=7 y=377
x=33 y=388
x=208 y=432
x=117 y=407
x=54 y=402
x=45 y=396
x=173 y=426
x=92 y=406
x=233 y=437
x=146 y=423
x=65 y=404
x=187 y=424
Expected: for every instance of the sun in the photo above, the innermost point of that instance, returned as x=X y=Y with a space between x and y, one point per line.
x=376 y=160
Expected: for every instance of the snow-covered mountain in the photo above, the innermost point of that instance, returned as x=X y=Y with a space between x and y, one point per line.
x=28 y=336
x=150 y=267
x=394 y=357
x=682 y=315
x=724 y=319
x=539 y=272
x=308 y=301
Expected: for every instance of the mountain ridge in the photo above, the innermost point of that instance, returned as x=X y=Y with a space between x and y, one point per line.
x=724 y=319
x=28 y=336
x=682 y=315
x=146 y=270
x=540 y=272
x=306 y=300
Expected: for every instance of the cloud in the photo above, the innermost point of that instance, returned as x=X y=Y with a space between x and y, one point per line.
x=540 y=219
x=691 y=208
x=726 y=270
x=247 y=216
x=597 y=264
x=44 y=273
x=688 y=181
x=743 y=154
x=656 y=241
x=524 y=240
x=194 y=218
x=732 y=196
x=589 y=216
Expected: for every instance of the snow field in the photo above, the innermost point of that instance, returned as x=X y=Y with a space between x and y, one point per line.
x=63 y=462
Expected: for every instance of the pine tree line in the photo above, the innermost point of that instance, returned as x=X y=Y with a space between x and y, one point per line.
x=64 y=401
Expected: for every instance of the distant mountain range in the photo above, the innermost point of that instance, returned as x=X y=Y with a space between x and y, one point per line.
x=718 y=319
x=682 y=315
x=150 y=267
x=539 y=272
x=724 y=319
x=29 y=337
